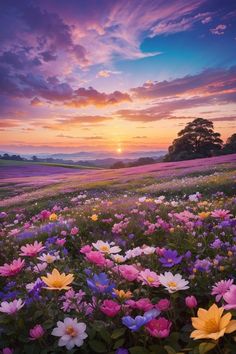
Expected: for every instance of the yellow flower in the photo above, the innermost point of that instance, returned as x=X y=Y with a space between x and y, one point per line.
x=204 y=214
x=53 y=217
x=123 y=294
x=211 y=324
x=94 y=217
x=57 y=281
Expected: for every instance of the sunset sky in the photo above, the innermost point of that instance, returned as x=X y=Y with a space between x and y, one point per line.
x=113 y=75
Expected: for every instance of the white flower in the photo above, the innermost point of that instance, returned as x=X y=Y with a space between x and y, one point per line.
x=173 y=282
x=142 y=199
x=106 y=247
x=11 y=307
x=40 y=267
x=148 y=250
x=71 y=332
x=117 y=258
x=49 y=258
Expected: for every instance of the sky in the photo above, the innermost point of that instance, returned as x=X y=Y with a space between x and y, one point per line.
x=113 y=75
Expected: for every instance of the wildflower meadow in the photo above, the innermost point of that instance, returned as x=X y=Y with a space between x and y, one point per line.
x=147 y=268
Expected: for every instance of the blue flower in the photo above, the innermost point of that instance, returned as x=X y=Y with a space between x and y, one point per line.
x=100 y=283
x=135 y=323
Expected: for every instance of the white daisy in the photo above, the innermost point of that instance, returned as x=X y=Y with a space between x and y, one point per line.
x=106 y=247
x=173 y=282
x=71 y=332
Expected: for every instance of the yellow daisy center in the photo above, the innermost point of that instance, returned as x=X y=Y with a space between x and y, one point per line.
x=71 y=331
x=104 y=248
x=172 y=284
x=150 y=279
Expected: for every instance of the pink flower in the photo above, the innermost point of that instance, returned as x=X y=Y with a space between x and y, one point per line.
x=163 y=305
x=7 y=351
x=230 y=298
x=36 y=332
x=110 y=308
x=221 y=214
x=144 y=304
x=159 y=328
x=147 y=277
x=8 y=270
x=96 y=258
x=86 y=249
x=11 y=307
x=191 y=302
x=220 y=288
x=128 y=272
x=74 y=231
x=31 y=250
x=60 y=241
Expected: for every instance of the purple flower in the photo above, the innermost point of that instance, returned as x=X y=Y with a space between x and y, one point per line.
x=170 y=258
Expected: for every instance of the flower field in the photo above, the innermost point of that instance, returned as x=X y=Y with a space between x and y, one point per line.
x=144 y=266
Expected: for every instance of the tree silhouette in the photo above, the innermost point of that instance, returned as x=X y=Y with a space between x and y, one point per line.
x=197 y=139
x=230 y=146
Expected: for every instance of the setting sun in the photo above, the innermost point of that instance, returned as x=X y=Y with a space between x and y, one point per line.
x=119 y=150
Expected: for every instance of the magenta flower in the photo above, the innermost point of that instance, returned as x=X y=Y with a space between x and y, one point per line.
x=31 y=250
x=220 y=288
x=8 y=270
x=7 y=351
x=230 y=298
x=12 y=307
x=36 y=332
x=163 y=305
x=96 y=257
x=110 y=308
x=191 y=302
x=159 y=328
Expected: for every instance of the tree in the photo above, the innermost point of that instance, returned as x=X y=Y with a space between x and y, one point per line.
x=230 y=146
x=196 y=140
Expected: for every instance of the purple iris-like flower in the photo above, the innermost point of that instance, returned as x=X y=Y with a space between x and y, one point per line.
x=170 y=258
x=135 y=323
x=100 y=283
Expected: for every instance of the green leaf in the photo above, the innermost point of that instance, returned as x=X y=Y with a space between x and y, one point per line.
x=97 y=346
x=104 y=334
x=169 y=349
x=138 y=350
x=118 y=333
x=156 y=348
x=119 y=343
x=206 y=347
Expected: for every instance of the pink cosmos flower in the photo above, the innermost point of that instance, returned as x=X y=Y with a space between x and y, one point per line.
x=147 y=277
x=191 y=302
x=8 y=270
x=36 y=332
x=44 y=214
x=110 y=308
x=163 y=305
x=128 y=272
x=31 y=250
x=159 y=328
x=221 y=214
x=220 y=288
x=11 y=307
x=96 y=257
x=230 y=298
x=86 y=249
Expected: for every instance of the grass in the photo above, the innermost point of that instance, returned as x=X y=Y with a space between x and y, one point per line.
x=5 y=163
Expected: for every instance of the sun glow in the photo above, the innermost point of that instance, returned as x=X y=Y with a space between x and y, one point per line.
x=119 y=150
